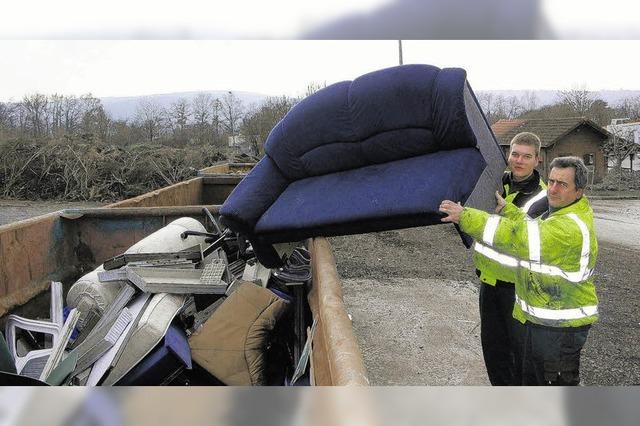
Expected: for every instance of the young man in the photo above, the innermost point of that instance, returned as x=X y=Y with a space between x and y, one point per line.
x=523 y=187
x=554 y=255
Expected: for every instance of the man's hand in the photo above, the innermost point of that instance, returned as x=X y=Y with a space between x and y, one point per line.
x=500 y=202
x=452 y=209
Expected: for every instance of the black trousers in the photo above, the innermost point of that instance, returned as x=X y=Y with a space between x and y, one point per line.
x=497 y=333
x=550 y=355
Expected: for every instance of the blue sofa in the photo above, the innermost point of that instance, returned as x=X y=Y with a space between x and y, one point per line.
x=376 y=153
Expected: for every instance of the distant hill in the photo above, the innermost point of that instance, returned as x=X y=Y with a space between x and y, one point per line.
x=548 y=97
x=123 y=108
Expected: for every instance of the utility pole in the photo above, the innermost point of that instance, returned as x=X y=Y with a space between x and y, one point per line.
x=400 y=51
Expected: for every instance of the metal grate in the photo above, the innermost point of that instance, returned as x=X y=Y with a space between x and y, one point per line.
x=212 y=273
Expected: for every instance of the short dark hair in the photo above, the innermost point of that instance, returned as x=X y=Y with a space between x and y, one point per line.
x=578 y=165
x=527 y=138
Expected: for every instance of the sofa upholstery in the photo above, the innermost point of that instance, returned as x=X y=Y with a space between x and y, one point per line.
x=376 y=153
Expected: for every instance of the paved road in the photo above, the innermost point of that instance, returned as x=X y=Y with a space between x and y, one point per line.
x=618 y=222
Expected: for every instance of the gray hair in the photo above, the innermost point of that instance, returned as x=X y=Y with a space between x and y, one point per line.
x=578 y=165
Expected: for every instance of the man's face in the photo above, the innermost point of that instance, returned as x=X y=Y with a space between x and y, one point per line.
x=522 y=160
x=561 y=189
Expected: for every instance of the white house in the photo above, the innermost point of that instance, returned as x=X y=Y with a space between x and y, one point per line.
x=630 y=131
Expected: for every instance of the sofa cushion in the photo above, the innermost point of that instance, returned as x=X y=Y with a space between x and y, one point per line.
x=346 y=119
x=399 y=194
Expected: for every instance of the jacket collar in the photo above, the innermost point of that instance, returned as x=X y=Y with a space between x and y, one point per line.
x=526 y=186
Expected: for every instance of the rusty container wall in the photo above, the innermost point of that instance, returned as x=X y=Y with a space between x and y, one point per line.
x=336 y=357
x=226 y=169
x=187 y=193
x=63 y=245
x=33 y=252
x=99 y=234
x=216 y=189
x=220 y=179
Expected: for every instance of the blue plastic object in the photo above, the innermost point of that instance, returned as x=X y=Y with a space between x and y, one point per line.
x=171 y=355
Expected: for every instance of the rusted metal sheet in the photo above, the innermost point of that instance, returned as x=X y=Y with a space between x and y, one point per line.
x=337 y=359
x=216 y=189
x=62 y=245
x=220 y=179
x=31 y=255
x=180 y=194
x=226 y=169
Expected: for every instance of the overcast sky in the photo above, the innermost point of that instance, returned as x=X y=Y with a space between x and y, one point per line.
x=133 y=68
x=276 y=19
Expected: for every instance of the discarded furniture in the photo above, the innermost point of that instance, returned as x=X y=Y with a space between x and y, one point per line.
x=164 y=363
x=231 y=344
x=57 y=352
x=147 y=333
x=33 y=363
x=376 y=153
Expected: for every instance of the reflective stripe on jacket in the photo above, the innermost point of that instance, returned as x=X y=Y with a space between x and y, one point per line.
x=553 y=259
x=530 y=202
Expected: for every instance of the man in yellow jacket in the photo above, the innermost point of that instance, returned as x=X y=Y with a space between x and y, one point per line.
x=554 y=257
x=523 y=187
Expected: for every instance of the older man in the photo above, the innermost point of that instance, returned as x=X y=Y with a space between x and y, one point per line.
x=523 y=187
x=554 y=255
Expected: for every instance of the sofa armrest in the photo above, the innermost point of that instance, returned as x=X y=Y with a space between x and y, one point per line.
x=253 y=196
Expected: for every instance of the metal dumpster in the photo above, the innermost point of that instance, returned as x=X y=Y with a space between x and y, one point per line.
x=63 y=245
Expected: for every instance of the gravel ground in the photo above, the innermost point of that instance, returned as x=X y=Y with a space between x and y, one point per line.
x=400 y=286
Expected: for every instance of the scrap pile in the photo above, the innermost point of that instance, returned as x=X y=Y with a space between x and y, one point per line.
x=183 y=306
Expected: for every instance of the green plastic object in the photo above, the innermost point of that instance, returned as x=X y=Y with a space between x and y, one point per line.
x=62 y=371
x=7 y=364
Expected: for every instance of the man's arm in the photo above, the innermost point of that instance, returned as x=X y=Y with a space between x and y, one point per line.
x=554 y=242
x=505 y=234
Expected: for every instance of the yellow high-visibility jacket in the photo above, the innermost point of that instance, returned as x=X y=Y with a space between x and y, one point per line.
x=554 y=257
x=533 y=201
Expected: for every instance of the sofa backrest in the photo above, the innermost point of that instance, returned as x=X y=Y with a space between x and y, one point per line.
x=382 y=116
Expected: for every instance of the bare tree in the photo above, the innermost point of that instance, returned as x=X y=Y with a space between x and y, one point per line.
x=6 y=115
x=579 y=100
x=630 y=107
x=620 y=144
x=202 y=106
x=314 y=86
x=56 y=113
x=232 y=112
x=259 y=122
x=498 y=107
x=180 y=113
x=150 y=117
x=72 y=114
x=95 y=122
x=216 y=120
x=529 y=100
x=35 y=107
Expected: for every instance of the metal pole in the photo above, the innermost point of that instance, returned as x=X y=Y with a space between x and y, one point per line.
x=400 y=51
